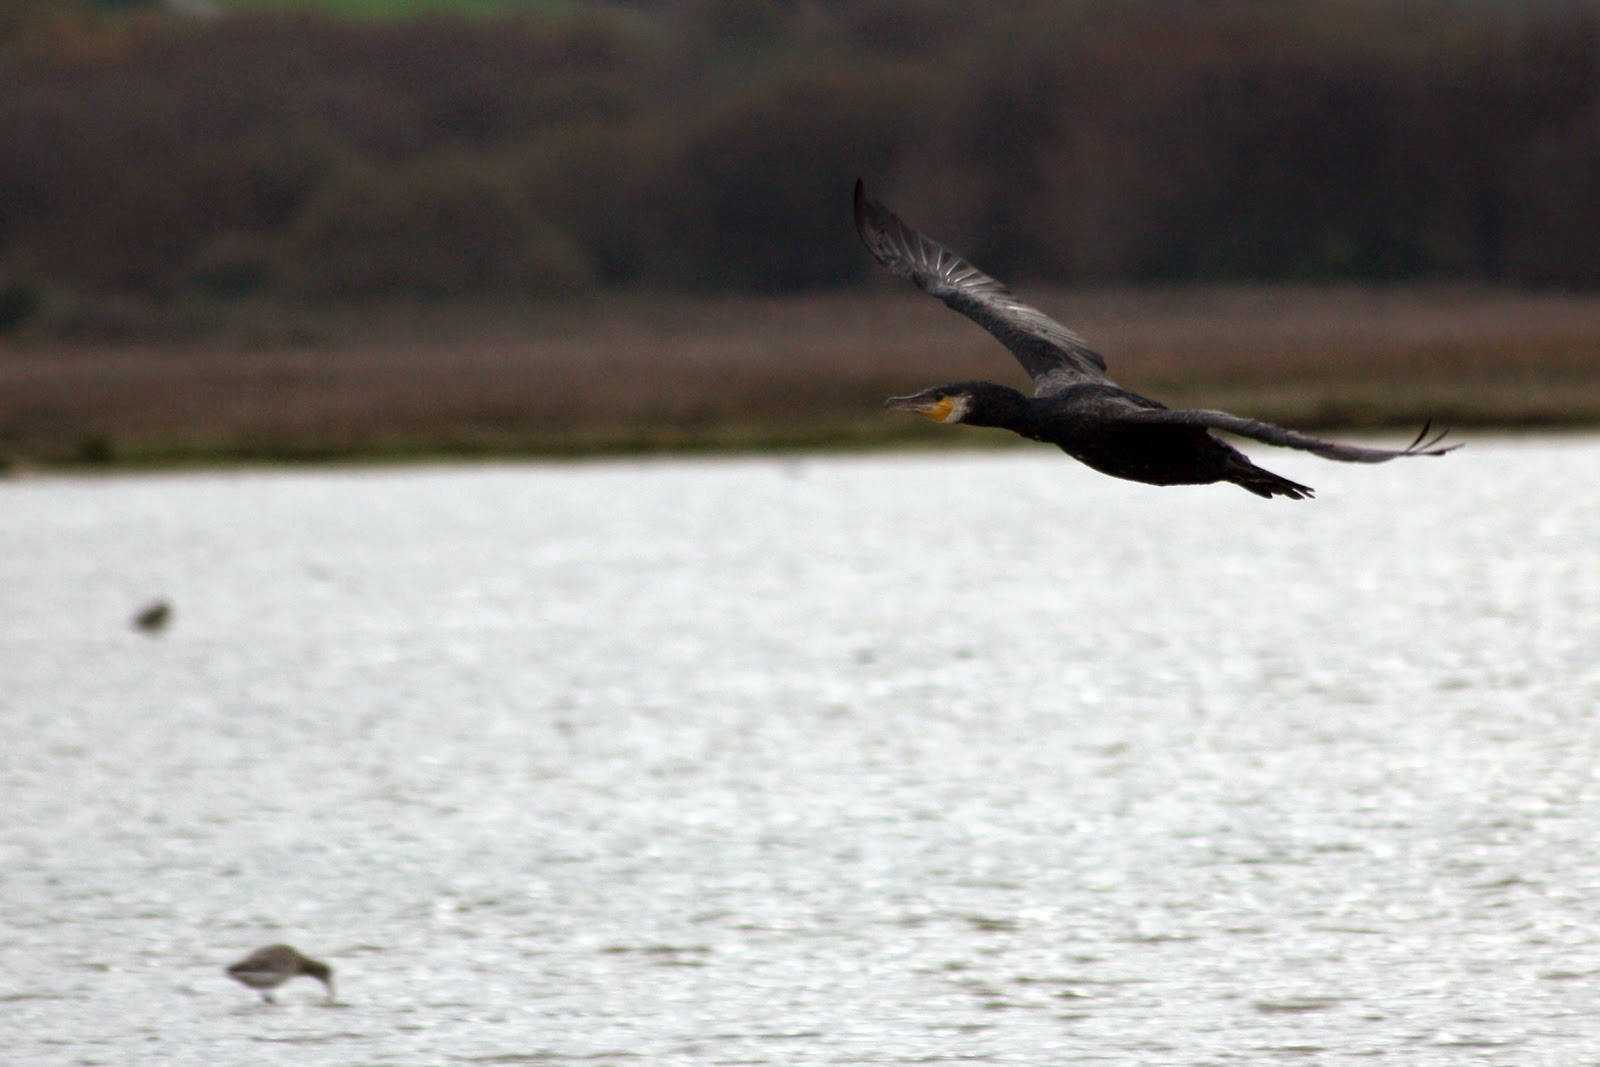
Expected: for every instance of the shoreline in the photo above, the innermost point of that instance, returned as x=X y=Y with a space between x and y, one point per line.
x=641 y=374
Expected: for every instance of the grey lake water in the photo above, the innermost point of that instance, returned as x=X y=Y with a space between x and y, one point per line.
x=920 y=758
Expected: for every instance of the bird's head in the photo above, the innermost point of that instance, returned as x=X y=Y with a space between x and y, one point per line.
x=942 y=403
x=977 y=403
x=321 y=972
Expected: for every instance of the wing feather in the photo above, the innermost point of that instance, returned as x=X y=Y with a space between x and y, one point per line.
x=1054 y=357
x=1269 y=433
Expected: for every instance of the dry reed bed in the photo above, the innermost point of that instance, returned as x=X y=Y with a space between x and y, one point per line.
x=650 y=372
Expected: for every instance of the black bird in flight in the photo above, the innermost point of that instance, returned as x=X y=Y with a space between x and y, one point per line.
x=1074 y=405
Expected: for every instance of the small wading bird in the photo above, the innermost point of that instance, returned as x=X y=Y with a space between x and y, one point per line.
x=1074 y=405
x=268 y=968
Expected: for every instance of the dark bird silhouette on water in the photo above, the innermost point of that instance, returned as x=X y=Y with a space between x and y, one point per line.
x=153 y=617
x=268 y=968
x=1074 y=405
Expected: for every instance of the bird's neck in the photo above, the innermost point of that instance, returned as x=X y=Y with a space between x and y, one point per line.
x=1002 y=407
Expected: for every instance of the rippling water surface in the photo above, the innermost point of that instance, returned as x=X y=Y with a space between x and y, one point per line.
x=896 y=759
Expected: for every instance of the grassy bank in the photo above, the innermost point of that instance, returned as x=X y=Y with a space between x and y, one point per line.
x=638 y=373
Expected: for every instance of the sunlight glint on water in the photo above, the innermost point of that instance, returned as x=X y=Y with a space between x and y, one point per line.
x=937 y=759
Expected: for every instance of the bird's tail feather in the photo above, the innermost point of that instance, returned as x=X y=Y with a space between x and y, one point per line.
x=1265 y=483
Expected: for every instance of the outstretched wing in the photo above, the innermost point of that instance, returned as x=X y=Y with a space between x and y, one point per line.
x=1054 y=357
x=1268 y=433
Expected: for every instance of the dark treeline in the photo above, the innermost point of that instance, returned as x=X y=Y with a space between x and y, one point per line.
x=712 y=144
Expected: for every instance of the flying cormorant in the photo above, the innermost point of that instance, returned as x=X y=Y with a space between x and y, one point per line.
x=1074 y=405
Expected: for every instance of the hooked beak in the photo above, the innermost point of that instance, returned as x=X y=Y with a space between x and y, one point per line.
x=921 y=404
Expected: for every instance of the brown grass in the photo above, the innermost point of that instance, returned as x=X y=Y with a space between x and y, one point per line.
x=637 y=372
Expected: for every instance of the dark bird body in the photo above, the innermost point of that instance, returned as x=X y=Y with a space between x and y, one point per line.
x=268 y=968
x=1074 y=405
x=153 y=617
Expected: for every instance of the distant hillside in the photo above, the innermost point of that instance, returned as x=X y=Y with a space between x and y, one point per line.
x=712 y=144
x=395 y=9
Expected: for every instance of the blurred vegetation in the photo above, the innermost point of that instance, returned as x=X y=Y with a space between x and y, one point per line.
x=711 y=144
